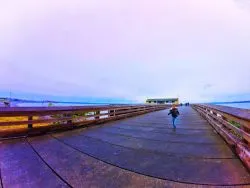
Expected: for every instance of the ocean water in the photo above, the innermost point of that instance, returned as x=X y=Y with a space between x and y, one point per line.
x=238 y=105
x=245 y=105
x=27 y=104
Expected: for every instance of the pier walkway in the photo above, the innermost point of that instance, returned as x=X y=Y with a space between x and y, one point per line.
x=141 y=151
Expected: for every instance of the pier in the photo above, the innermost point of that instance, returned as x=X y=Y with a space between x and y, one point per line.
x=125 y=146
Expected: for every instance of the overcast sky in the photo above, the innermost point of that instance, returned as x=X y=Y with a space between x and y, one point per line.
x=134 y=49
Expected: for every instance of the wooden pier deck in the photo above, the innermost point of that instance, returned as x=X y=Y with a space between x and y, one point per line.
x=142 y=151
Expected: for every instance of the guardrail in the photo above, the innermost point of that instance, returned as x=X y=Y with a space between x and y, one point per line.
x=233 y=124
x=23 y=121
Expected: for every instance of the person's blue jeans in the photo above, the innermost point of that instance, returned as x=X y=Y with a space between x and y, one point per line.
x=173 y=120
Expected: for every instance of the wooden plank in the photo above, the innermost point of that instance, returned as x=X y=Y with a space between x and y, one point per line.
x=22 y=167
x=14 y=123
x=149 y=155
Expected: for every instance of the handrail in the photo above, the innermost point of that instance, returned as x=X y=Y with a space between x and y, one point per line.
x=23 y=111
x=233 y=124
x=240 y=124
x=57 y=118
x=236 y=112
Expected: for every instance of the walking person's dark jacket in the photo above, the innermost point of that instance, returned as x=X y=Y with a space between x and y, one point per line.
x=174 y=112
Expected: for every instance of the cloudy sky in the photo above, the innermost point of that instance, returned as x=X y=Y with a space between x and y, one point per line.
x=128 y=49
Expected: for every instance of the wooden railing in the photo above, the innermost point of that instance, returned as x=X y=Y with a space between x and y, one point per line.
x=233 y=124
x=23 y=121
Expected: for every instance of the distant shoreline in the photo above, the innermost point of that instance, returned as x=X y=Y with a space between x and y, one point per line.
x=71 y=102
x=232 y=102
x=54 y=102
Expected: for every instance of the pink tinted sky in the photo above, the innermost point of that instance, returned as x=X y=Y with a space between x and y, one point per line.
x=197 y=50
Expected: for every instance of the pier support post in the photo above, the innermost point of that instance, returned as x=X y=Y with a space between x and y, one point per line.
x=30 y=125
x=112 y=113
x=97 y=113
x=69 y=116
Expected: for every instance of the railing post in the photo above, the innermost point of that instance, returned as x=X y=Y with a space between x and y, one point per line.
x=69 y=121
x=97 y=113
x=30 y=125
x=67 y=116
x=111 y=113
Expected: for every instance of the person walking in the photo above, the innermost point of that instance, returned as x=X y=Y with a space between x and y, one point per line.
x=175 y=113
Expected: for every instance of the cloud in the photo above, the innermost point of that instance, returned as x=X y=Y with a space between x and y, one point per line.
x=243 y=4
x=127 y=49
x=207 y=86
